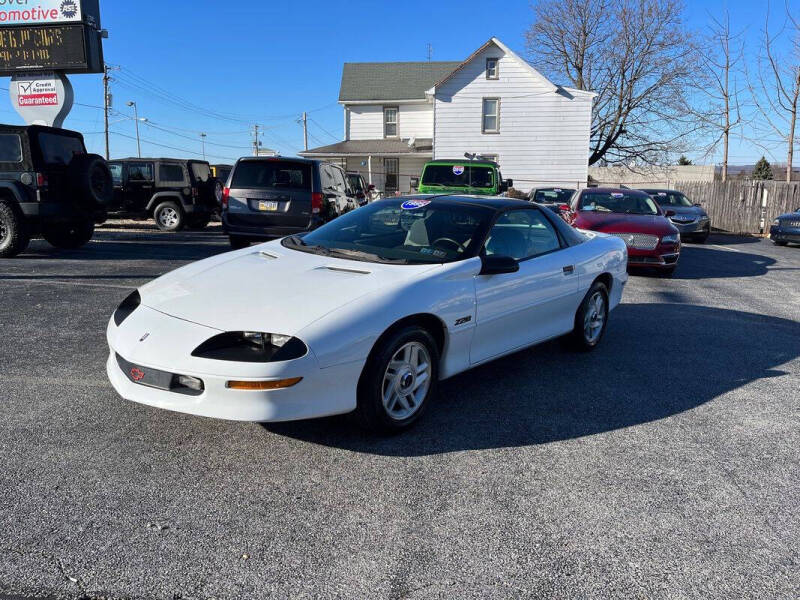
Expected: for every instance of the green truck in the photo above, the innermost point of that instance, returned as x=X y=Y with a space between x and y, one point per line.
x=479 y=177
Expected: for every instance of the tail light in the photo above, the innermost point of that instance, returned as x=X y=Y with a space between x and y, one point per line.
x=41 y=180
x=564 y=208
x=226 y=197
x=195 y=193
x=316 y=203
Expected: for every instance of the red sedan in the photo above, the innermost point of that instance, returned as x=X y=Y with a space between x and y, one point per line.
x=653 y=241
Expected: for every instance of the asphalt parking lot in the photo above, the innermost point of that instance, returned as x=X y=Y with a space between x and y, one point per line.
x=666 y=464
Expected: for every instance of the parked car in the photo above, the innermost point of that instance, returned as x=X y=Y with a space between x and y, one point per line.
x=478 y=177
x=786 y=228
x=366 y=313
x=221 y=174
x=49 y=186
x=176 y=193
x=690 y=218
x=272 y=197
x=633 y=216
x=554 y=198
x=361 y=190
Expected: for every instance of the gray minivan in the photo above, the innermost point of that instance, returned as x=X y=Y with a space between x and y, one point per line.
x=272 y=197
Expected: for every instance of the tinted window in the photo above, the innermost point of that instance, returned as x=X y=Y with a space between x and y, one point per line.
x=458 y=176
x=171 y=173
x=356 y=183
x=116 y=172
x=522 y=234
x=272 y=174
x=201 y=172
x=633 y=203
x=223 y=173
x=423 y=232
x=140 y=172
x=10 y=148
x=60 y=149
x=671 y=199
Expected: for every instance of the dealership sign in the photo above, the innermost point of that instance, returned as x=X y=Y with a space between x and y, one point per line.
x=37 y=12
x=42 y=99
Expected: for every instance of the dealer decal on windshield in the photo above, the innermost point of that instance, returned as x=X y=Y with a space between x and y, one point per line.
x=617 y=195
x=458 y=170
x=414 y=204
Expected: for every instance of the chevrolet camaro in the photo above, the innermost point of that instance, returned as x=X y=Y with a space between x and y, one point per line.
x=366 y=314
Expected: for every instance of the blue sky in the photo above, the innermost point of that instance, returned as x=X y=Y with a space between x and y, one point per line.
x=221 y=66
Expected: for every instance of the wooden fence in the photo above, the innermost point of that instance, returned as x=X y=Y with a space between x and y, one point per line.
x=743 y=206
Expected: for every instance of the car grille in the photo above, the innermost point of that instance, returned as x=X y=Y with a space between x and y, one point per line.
x=683 y=220
x=638 y=241
x=791 y=224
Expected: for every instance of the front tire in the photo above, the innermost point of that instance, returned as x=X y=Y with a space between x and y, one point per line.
x=14 y=236
x=779 y=242
x=591 y=319
x=169 y=216
x=199 y=223
x=70 y=235
x=398 y=381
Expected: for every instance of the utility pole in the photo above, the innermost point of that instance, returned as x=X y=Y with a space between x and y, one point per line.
x=203 y=137
x=305 y=131
x=106 y=104
x=430 y=52
x=255 y=141
x=136 y=118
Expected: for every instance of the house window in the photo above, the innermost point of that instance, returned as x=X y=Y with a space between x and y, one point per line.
x=492 y=68
x=390 y=121
x=491 y=115
x=391 y=167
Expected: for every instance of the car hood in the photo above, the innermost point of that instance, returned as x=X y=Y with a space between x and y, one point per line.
x=270 y=288
x=622 y=223
x=791 y=215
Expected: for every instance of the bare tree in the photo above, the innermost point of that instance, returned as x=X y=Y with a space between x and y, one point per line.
x=719 y=87
x=637 y=56
x=776 y=92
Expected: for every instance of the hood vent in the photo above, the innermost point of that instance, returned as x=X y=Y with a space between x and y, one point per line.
x=265 y=254
x=346 y=270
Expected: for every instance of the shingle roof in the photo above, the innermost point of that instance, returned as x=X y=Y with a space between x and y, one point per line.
x=372 y=147
x=391 y=81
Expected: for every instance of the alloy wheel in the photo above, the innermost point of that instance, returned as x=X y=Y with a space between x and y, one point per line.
x=3 y=230
x=595 y=318
x=168 y=217
x=407 y=381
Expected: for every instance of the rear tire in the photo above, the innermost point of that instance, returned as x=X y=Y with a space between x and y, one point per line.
x=91 y=180
x=779 y=243
x=237 y=243
x=200 y=222
x=591 y=319
x=398 y=381
x=169 y=216
x=69 y=235
x=703 y=237
x=14 y=236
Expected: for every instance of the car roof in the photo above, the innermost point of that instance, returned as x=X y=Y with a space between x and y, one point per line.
x=162 y=159
x=658 y=191
x=294 y=159
x=462 y=161
x=612 y=190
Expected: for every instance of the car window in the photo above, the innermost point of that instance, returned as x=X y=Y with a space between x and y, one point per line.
x=10 y=148
x=356 y=183
x=272 y=174
x=339 y=180
x=631 y=203
x=201 y=172
x=522 y=234
x=60 y=149
x=140 y=172
x=171 y=174
x=553 y=196
x=671 y=199
x=116 y=172
x=458 y=176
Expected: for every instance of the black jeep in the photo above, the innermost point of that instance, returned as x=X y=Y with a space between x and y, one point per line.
x=177 y=193
x=49 y=186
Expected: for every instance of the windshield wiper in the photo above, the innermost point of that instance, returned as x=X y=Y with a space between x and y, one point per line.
x=362 y=255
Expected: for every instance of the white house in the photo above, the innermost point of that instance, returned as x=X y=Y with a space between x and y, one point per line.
x=397 y=116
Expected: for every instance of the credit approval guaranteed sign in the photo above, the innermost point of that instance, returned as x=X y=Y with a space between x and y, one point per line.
x=37 y=12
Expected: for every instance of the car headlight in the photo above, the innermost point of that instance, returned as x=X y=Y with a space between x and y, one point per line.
x=777 y=222
x=671 y=239
x=130 y=304
x=251 y=346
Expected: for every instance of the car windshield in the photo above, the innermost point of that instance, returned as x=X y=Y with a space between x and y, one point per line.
x=401 y=231
x=671 y=199
x=631 y=203
x=274 y=174
x=458 y=176
x=553 y=196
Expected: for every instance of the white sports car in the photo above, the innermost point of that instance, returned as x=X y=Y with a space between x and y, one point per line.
x=365 y=314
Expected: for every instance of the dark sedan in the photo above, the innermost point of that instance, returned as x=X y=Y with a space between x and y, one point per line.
x=554 y=198
x=690 y=218
x=786 y=228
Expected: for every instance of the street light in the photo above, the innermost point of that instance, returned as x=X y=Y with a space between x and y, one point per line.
x=203 y=137
x=136 y=118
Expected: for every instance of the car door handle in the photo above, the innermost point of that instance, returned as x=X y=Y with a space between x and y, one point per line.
x=569 y=270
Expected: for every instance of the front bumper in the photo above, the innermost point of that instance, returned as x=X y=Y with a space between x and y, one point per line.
x=321 y=393
x=698 y=227
x=664 y=257
x=783 y=234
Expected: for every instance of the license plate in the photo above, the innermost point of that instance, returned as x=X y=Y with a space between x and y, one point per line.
x=267 y=205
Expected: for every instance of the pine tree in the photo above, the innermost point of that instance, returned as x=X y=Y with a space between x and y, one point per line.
x=763 y=169
x=683 y=161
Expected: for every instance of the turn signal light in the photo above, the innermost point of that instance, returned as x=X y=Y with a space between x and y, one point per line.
x=316 y=203
x=262 y=386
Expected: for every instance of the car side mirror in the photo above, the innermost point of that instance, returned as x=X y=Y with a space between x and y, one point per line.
x=496 y=264
x=669 y=213
x=509 y=183
x=698 y=205
x=564 y=208
x=371 y=187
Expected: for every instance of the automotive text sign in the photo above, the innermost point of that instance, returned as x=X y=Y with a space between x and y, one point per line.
x=37 y=93
x=35 y=12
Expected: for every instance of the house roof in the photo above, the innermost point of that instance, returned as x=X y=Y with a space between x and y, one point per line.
x=391 y=81
x=391 y=147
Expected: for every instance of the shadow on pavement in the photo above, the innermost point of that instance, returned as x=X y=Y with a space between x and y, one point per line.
x=706 y=262
x=644 y=371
